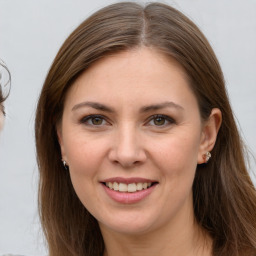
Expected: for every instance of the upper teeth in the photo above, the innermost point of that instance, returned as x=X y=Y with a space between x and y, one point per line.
x=131 y=187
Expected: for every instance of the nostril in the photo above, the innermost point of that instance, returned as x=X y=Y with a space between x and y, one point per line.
x=115 y=162
x=126 y=163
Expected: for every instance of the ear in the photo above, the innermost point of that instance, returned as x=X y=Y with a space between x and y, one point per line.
x=209 y=134
x=60 y=139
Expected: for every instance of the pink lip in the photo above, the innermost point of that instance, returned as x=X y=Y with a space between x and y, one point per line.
x=128 y=198
x=128 y=180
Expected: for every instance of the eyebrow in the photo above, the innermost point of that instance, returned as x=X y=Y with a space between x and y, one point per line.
x=167 y=104
x=102 y=107
x=95 y=105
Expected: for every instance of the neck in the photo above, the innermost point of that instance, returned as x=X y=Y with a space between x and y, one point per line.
x=182 y=238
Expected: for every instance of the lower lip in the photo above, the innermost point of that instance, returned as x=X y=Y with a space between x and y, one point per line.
x=126 y=197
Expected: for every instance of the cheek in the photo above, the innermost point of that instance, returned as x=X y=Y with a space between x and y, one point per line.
x=176 y=159
x=83 y=155
x=84 y=163
x=178 y=151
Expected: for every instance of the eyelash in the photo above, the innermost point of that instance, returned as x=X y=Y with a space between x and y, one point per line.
x=167 y=120
x=89 y=119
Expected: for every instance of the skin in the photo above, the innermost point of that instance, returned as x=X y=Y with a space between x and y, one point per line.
x=130 y=141
x=1 y=116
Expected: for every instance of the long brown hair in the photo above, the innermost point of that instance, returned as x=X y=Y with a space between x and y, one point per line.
x=224 y=195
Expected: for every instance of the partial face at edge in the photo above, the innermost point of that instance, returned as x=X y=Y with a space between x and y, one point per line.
x=132 y=118
x=1 y=116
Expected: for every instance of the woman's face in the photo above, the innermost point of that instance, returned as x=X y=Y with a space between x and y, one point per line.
x=132 y=136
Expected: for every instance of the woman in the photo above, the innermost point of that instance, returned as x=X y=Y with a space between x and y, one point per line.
x=3 y=85
x=137 y=147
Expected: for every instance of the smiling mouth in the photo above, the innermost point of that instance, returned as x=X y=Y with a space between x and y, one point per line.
x=129 y=188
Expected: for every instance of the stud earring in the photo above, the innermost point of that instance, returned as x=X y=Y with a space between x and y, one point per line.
x=65 y=164
x=207 y=156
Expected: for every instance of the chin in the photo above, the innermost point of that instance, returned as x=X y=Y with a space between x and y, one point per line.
x=129 y=225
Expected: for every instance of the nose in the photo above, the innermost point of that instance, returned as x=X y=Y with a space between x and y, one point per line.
x=127 y=148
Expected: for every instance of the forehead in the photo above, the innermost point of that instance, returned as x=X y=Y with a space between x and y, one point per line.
x=133 y=76
x=134 y=63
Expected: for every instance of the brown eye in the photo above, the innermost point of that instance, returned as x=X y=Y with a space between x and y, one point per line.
x=159 y=121
x=97 y=120
x=94 y=120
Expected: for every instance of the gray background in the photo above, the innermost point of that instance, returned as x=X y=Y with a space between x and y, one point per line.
x=31 y=32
